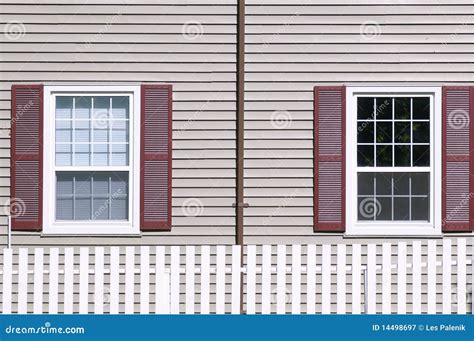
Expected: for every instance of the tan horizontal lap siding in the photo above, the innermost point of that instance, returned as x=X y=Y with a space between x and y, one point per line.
x=82 y=41
x=293 y=46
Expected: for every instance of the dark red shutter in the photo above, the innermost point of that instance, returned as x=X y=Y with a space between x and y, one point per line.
x=329 y=158
x=458 y=159
x=155 y=164
x=26 y=202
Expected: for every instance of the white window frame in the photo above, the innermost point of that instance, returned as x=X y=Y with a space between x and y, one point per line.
x=395 y=228
x=102 y=227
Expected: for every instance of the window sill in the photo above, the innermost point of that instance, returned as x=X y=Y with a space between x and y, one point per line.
x=392 y=236
x=91 y=230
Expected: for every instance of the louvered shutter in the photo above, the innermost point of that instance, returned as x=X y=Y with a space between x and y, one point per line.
x=26 y=157
x=458 y=160
x=329 y=158
x=155 y=164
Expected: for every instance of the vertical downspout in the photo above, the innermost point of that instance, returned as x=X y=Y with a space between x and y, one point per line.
x=240 y=98
x=240 y=122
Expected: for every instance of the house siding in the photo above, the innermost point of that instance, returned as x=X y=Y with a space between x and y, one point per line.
x=90 y=42
x=293 y=46
x=290 y=48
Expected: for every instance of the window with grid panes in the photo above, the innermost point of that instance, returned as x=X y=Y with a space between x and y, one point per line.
x=92 y=167
x=393 y=158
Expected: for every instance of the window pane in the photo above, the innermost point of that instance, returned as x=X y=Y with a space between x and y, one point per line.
x=120 y=107
x=384 y=208
x=401 y=208
x=397 y=196
x=384 y=156
x=401 y=183
x=383 y=182
x=64 y=107
x=81 y=155
x=92 y=196
x=420 y=183
x=384 y=108
x=402 y=108
x=402 y=156
x=83 y=107
x=421 y=132
x=82 y=132
x=421 y=156
x=365 y=156
x=365 y=132
x=367 y=208
x=101 y=154
x=101 y=110
x=402 y=132
x=421 y=108
x=420 y=209
x=384 y=132
x=365 y=183
x=365 y=108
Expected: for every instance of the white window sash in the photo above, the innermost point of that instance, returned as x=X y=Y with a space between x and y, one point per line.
x=94 y=227
x=395 y=228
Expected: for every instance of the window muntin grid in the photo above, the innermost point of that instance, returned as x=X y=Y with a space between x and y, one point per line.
x=92 y=195
x=393 y=135
x=92 y=130
x=92 y=151
x=393 y=131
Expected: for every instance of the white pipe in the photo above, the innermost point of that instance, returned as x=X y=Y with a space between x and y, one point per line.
x=9 y=232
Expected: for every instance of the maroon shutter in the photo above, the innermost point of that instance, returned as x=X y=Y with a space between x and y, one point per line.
x=27 y=157
x=155 y=164
x=329 y=158
x=458 y=161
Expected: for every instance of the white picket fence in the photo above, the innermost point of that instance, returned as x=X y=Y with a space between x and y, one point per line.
x=384 y=278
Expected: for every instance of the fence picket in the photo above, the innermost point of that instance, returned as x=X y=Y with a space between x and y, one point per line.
x=162 y=300
x=23 y=281
x=431 y=277
x=386 y=278
x=266 y=278
x=402 y=278
x=175 y=279
x=205 y=278
x=144 y=280
x=447 y=276
x=341 y=279
x=251 y=278
x=220 y=280
x=114 y=280
x=190 y=254
x=38 y=281
x=416 y=275
x=84 y=280
x=311 y=279
x=461 y=277
x=68 y=280
x=129 y=279
x=296 y=279
x=7 y=281
x=281 y=280
x=53 y=281
x=326 y=279
x=99 y=288
x=371 y=277
x=356 y=278
x=236 y=278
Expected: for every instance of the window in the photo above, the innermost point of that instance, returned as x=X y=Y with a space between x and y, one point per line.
x=393 y=158
x=91 y=160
